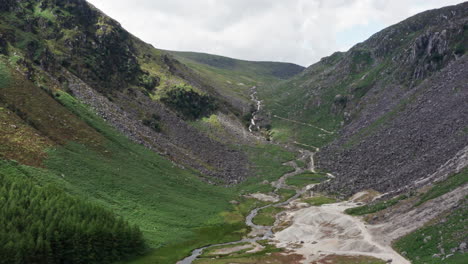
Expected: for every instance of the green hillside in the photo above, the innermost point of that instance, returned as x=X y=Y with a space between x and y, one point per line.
x=235 y=77
x=77 y=154
x=170 y=205
x=113 y=151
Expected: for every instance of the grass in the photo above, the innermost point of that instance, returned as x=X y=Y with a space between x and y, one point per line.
x=44 y=13
x=266 y=217
x=444 y=187
x=447 y=233
x=267 y=160
x=304 y=179
x=374 y=207
x=319 y=200
x=176 y=211
x=147 y=188
x=301 y=163
x=232 y=77
x=285 y=194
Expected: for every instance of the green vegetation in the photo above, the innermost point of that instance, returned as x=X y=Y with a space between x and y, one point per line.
x=174 y=209
x=266 y=217
x=188 y=102
x=138 y=184
x=301 y=163
x=285 y=194
x=319 y=200
x=44 y=13
x=445 y=186
x=304 y=179
x=267 y=160
x=234 y=78
x=374 y=207
x=42 y=224
x=439 y=237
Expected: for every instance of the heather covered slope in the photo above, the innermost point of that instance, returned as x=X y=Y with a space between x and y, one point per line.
x=392 y=107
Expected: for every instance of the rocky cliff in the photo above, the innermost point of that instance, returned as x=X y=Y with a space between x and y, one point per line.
x=396 y=104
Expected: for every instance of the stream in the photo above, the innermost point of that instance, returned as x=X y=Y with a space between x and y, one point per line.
x=258 y=106
x=264 y=232
x=315 y=231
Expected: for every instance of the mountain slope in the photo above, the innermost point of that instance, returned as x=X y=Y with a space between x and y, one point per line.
x=101 y=126
x=394 y=106
x=233 y=78
x=109 y=120
x=141 y=91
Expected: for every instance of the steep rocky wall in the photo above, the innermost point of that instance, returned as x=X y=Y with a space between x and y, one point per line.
x=412 y=141
x=397 y=101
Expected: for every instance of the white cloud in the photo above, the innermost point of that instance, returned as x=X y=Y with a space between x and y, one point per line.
x=300 y=31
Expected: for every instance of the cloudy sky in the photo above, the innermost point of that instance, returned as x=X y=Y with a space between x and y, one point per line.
x=299 y=31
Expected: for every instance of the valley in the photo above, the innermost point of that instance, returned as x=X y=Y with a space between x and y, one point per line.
x=304 y=232
x=114 y=151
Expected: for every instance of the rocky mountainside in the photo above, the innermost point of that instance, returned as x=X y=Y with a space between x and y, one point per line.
x=395 y=105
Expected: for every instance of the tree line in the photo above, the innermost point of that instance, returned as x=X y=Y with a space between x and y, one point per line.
x=46 y=225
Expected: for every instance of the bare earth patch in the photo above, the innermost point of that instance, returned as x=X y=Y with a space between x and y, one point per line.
x=326 y=230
